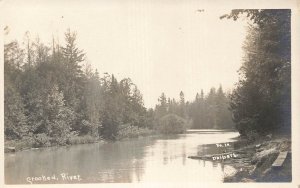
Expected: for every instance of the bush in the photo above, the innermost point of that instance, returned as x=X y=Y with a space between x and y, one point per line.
x=42 y=140
x=130 y=131
x=24 y=143
x=250 y=129
x=88 y=128
x=172 y=124
x=252 y=136
x=81 y=139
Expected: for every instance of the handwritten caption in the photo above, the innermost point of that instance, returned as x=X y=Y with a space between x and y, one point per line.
x=54 y=177
x=224 y=156
x=223 y=145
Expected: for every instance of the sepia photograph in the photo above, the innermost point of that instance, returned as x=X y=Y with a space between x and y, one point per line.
x=98 y=92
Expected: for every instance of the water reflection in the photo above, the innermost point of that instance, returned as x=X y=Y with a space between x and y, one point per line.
x=152 y=159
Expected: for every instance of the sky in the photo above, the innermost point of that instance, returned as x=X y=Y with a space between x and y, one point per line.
x=163 y=46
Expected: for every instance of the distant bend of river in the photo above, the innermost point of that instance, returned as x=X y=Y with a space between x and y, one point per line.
x=147 y=159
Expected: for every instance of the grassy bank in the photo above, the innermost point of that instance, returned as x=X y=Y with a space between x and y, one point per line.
x=255 y=163
x=125 y=132
x=30 y=143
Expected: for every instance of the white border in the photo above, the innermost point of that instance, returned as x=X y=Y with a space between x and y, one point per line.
x=294 y=5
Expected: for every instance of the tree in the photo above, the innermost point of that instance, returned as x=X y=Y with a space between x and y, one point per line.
x=161 y=109
x=200 y=111
x=111 y=115
x=51 y=99
x=182 y=108
x=211 y=116
x=261 y=101
x=92 y=103
x=224 y=119
x=72 y=81
x=15 y=120
x=29 y=50
x=71 y=52
x=172 y=124
x=133 y=111
x=13 y=55
x=72 y=57
x=59 y=117
x=42 y=52
x=138 y=107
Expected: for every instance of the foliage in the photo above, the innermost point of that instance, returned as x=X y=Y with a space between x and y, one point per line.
x=42 y=140
x=172 y=124
x=261 y=101
x=14 y=117
x=74 y=139
x=205 y=112
x=24 y=143
x=129 y=131
x=55 y=100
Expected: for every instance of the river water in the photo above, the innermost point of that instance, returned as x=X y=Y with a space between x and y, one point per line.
x=150 y=159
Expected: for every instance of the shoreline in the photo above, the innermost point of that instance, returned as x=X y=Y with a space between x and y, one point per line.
x=7 y=149
x=13 y=146
x=252 y=161
x=14 y=149
x=255 y=163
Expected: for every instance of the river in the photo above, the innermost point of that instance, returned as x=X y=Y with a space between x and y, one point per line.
x=148 y=159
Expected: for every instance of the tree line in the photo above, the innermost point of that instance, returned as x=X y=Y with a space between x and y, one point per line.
x=52 y=96
x=204 y=112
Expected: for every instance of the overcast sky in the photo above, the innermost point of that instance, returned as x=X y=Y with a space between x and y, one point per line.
x=162 y=46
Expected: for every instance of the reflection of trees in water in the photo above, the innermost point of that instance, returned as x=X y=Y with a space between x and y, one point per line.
x=35 y=163
x=183 y=153
x=222 y=166
x=126 y=160
x=215 y=164
x=170 y=153
x=165 y=160
x=165 y=152
x=111 y=162
x=171 y=137
x=139 y=169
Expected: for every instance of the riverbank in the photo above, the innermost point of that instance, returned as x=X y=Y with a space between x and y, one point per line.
x=126 y=132
x=30 y=143
x=256 y=159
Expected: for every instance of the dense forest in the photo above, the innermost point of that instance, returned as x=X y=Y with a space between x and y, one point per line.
x=205 y=112
x=261 y=100
x=53 y=97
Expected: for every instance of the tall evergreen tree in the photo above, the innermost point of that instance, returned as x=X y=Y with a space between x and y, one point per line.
x=59 y=117
x=182 y=107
